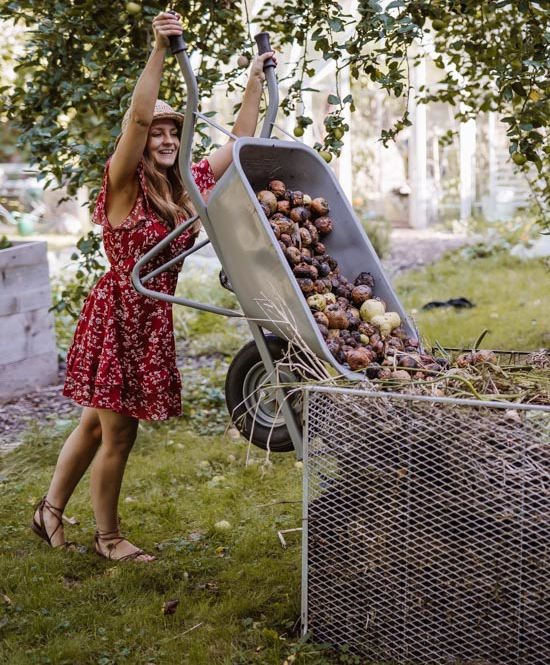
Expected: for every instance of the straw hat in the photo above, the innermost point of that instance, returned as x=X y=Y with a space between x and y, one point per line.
x=162 y=111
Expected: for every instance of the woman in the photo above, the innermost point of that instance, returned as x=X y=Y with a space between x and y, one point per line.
x=121 y=365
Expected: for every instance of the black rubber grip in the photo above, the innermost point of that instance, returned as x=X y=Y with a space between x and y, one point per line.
x=177 y=43
x=262 y=39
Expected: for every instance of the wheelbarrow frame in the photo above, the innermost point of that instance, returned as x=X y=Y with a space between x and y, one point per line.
x=233 y=198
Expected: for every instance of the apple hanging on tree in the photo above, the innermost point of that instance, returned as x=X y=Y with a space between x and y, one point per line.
x=133 y=8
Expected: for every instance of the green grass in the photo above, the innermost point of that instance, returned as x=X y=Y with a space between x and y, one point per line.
x=238 y=590
x=239 y=584
x=511 y=299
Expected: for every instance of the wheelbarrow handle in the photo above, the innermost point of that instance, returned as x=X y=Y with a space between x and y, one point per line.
x=179 y=50
x=177 y=43
x=262 y=40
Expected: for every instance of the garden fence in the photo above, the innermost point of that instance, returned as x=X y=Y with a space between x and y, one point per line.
x=426 y=528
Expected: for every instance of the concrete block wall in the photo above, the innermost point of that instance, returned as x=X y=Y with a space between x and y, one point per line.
x=28 y=353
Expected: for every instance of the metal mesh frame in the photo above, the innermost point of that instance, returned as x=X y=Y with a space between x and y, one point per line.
x=426 y=528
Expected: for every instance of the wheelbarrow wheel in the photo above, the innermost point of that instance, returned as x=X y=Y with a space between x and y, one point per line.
x=252 y=404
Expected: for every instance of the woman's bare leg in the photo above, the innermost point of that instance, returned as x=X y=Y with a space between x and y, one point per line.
x=118 y=436
x=75 y=457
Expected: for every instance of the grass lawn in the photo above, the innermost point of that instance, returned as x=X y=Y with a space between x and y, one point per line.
x=238 y=590
x=512 y=301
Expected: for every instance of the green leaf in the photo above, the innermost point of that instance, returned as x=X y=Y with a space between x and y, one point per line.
x=335 y=24
x=518 y=88
x=333 y=99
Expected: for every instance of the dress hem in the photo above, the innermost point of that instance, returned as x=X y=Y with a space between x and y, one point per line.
x=144 y=413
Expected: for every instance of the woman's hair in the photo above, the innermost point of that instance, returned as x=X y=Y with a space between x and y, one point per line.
x=166 y=192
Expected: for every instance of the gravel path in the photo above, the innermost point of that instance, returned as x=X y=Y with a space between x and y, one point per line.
x=410 y=249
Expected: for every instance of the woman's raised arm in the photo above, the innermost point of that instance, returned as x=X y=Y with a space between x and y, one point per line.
x=123 y=184
x=247 y=119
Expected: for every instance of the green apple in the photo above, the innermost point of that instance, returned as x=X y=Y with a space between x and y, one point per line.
x=519 y=158
x=133 y=8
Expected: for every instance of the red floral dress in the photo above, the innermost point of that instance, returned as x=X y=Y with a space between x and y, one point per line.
x=123 y=354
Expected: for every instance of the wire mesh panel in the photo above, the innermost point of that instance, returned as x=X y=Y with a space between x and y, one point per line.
x=427 y=527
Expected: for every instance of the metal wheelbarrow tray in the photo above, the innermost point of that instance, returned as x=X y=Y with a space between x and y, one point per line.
x=258 y=271
x=251 y=255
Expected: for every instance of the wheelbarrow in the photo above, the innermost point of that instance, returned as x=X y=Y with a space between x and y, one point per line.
x=264 y=412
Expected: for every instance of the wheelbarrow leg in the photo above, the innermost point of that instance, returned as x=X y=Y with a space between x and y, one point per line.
x=288 y=414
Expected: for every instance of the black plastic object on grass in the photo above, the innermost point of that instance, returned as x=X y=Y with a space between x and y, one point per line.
x=458 y=303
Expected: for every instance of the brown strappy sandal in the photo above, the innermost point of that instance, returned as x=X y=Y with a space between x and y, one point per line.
x=118 y=538
x=40 y=527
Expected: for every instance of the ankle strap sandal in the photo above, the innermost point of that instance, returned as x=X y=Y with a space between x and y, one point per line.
x=40 y=527
x=114 y=538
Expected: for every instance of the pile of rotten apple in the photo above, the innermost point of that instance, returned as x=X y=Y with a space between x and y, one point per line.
x=355 y=324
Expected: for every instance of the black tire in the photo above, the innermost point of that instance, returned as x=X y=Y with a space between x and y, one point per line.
x=255 y=412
